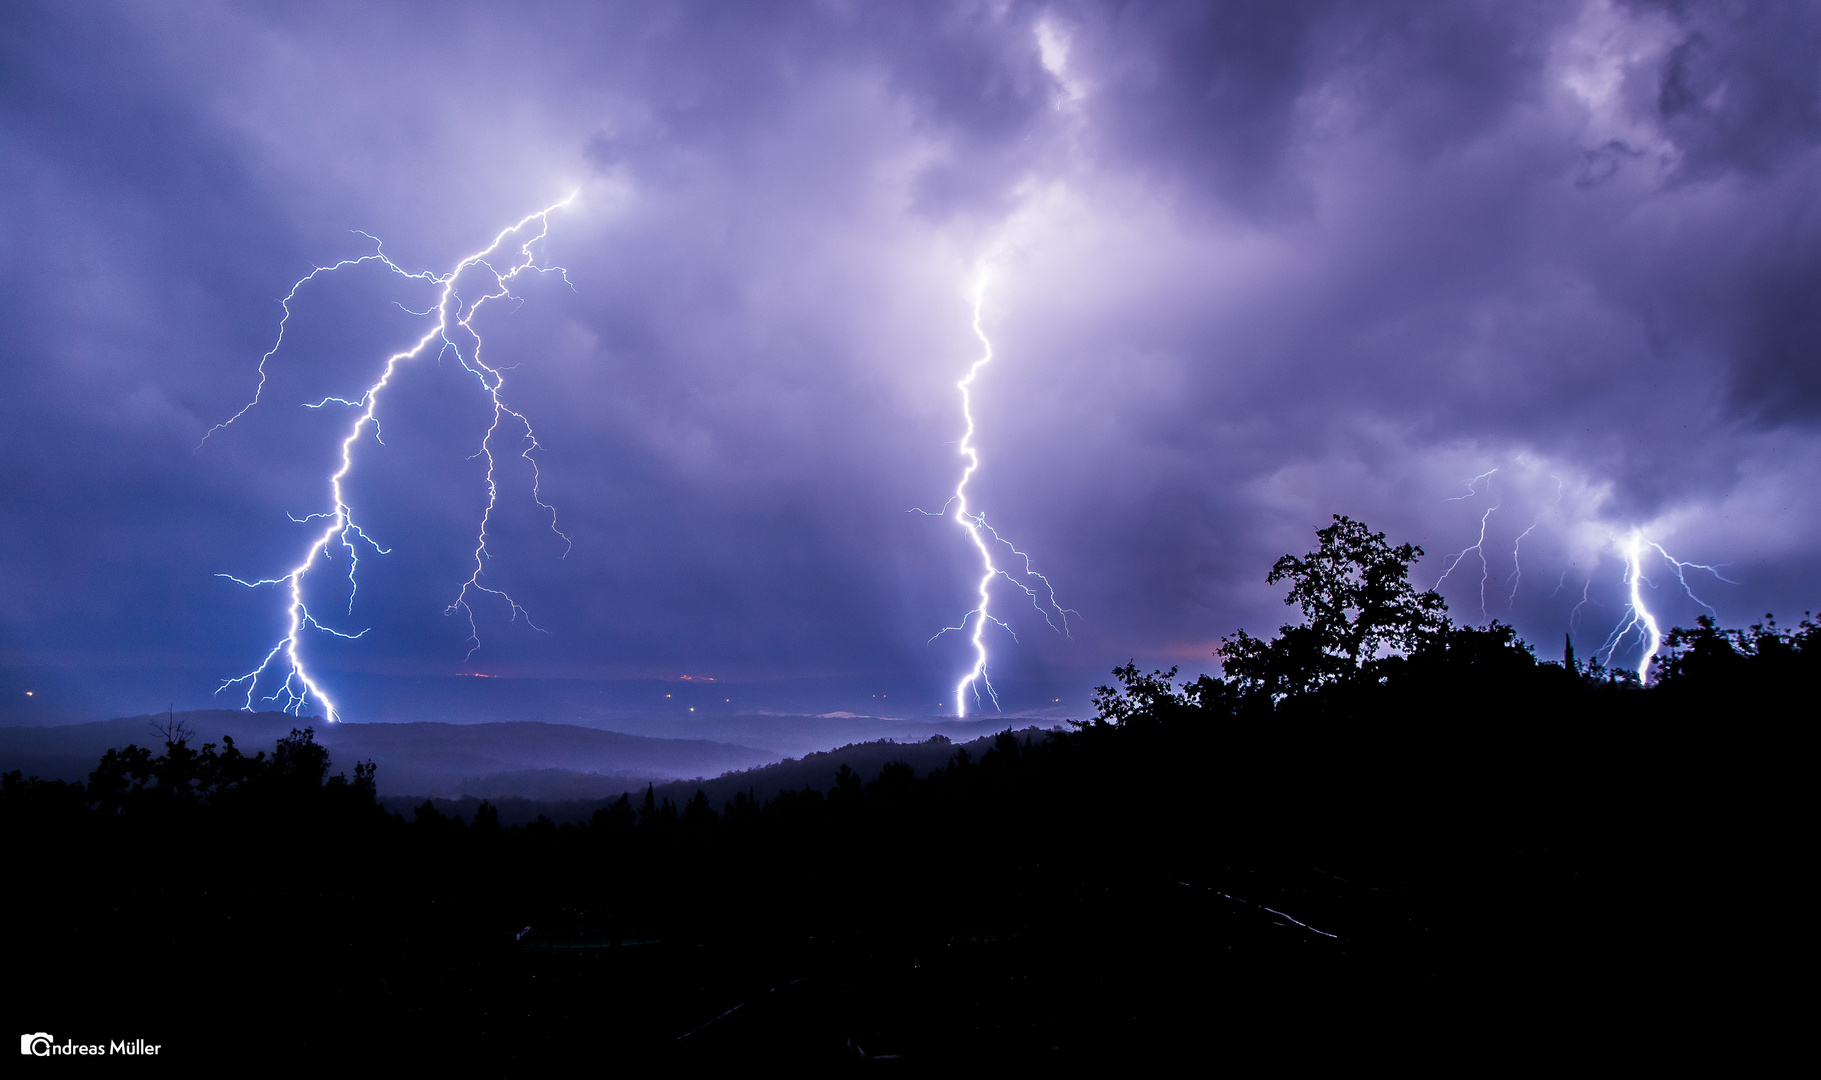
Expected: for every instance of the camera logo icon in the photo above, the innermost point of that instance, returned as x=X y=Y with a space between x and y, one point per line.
x=37 y=1045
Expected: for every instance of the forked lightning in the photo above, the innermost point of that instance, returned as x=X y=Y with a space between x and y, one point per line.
x=984 y=539
x=497 y=266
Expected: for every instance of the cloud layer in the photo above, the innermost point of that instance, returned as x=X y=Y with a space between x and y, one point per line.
x=1247 y=265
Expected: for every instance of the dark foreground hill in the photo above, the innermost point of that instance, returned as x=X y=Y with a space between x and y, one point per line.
x=1383 y=876
x=1442 y=856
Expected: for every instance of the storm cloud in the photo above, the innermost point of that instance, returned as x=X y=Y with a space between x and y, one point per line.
x=1544 y=274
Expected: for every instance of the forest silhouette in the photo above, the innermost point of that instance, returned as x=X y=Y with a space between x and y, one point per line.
x=1373 y=826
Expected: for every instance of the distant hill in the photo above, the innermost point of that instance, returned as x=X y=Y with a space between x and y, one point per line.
x=422 y=759
x=797 y=734
x=526 y=796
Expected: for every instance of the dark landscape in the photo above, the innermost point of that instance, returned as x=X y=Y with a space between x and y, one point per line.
x=1327 y=849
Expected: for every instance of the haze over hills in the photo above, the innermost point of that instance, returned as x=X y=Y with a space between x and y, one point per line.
x=526 y=760
x=549 y=796
x=795 y=735
x=413 y=759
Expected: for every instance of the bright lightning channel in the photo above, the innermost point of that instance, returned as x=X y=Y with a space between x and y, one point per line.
x=978 y=533
x=1634 y=548
x=454 y=325
x=1638 y=618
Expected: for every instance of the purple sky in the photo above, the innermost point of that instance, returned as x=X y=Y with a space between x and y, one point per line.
x=1249 y=265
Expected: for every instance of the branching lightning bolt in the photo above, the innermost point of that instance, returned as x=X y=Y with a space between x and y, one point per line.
x=1638 y=617
x=1472 y=486
x=978 y=533
x=1637 y=623
x=1479 y=547
x=454 y=333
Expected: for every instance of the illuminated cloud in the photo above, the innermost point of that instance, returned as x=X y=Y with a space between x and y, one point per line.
x=1255 y=265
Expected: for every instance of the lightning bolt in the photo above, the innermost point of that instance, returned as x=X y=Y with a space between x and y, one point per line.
x=985 y=539
x=453 y=333
x=1472 y=486
x=1517 y=563
x=1517 y=566
x=1637 y=623
x=1586 y=598
x=1478 y=546
x=1638 y=617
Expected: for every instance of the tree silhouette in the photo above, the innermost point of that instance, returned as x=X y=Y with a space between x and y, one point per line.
x=617 y=816
x=1147 y=699
x=1358 y=606
x=299 y=759
x=698 y=816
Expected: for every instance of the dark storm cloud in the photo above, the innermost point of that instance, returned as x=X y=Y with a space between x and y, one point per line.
x=1739 y=94
x=1214 y=93
x=1251 y=264
x=1500 y=235
x=1740 y=90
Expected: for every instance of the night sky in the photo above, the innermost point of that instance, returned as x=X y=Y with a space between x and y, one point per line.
x=1248 y=265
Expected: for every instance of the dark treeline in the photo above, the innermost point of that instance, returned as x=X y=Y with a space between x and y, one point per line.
x=1375 y=826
